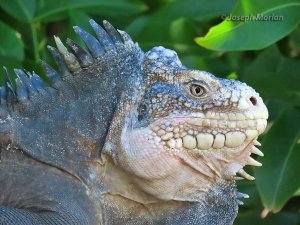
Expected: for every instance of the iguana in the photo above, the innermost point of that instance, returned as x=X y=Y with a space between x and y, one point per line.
x=124 y=137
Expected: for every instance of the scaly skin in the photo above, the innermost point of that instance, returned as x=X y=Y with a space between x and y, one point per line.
x=126 y=137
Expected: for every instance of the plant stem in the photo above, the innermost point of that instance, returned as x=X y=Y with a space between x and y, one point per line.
x=35 y=42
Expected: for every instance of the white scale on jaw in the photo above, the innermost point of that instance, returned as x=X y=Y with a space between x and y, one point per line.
x=206 y=141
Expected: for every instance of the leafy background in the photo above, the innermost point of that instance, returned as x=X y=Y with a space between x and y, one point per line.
x=264 y=54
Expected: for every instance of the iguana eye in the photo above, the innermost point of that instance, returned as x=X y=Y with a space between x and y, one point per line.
x=197 y=90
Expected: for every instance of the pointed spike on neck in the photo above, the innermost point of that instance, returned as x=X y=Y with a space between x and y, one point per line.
x=102 y=36
x=60 y=46
x=51 y=73
x=90 y=41
x=6 y=75
x=21 y=74
x=70 y=59
x=22 y=94
x=9 y=86
x=126 y=37
x=25 y=80
x=85 y=59
x=59 y=59
x=37 y=81
x=112 y=32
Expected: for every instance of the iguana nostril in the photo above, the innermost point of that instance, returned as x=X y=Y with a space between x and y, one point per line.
x=253 y=101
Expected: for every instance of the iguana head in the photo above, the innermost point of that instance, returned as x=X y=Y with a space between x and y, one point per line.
x=191 y=129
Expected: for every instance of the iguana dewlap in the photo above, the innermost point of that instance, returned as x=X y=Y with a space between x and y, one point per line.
x=124 y=137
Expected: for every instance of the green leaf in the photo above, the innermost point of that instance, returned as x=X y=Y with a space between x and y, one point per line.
x=11 y=44
x=277 y=180
x=22 y=10
x=280 y=73
x=56 y=9
x=281 y=18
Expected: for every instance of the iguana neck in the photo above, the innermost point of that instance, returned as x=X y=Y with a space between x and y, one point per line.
x=118 y=194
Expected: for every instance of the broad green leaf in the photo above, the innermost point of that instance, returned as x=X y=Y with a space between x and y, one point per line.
x=281 y=18
x=11 y=44
x=22 y=10
x=277 y=180
x=274 y=76
x=56 y=9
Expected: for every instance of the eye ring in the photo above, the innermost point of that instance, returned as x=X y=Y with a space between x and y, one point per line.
x=197 y=90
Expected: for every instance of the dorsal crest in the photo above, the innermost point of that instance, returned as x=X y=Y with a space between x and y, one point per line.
x=109 y=45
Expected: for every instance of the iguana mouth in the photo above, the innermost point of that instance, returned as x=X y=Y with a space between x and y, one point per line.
x=208 y=132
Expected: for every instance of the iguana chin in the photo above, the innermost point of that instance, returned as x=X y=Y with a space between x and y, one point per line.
x=124 y=137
